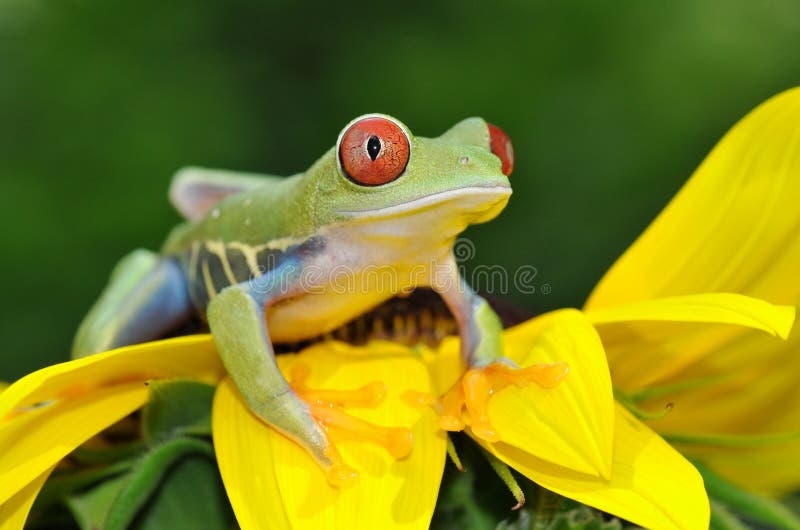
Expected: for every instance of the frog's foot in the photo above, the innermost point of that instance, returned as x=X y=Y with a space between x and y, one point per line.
x=478 y=384
x=327 y=407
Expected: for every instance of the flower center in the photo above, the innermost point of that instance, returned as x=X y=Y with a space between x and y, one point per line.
x=473 y=390
x=327 y=408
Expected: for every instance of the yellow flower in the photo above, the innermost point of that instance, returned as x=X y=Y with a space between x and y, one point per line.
x=572 y=439
x=735 y=228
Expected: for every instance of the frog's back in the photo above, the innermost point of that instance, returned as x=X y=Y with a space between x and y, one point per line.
x=240 y=238
x=251 y=216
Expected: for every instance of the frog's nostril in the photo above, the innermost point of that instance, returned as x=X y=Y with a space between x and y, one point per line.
x=502 y=148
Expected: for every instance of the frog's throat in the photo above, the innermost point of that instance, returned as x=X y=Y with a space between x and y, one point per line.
x=492 y=199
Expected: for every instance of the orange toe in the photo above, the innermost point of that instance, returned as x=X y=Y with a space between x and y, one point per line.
x=477 y=385
x=327 y=407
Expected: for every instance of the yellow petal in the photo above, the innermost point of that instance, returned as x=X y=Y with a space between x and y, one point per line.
x=734 y=227
x=651 y=484
x=193 y=356
x=651 y=341
x=445 y=364
x=745 y=389
x=721 y=308
x=388 y=494
x=47 y=414
x=770 y=470
x=743 y=394
x=573 y=423
x=721 y=381
x=34 y=442
x=14 y=512
x=242 y=444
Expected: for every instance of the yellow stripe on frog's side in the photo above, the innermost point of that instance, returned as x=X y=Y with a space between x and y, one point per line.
x=281 y=243
x=210 y=289
x=251 y=255
x=218 y=248
x=213 y=265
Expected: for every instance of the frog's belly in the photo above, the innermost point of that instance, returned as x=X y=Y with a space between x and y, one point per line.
x=313 y=314
x=357 y=272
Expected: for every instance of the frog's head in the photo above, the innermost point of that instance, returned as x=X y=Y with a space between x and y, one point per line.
x=379 y=169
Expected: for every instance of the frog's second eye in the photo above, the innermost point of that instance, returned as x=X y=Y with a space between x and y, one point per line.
x=374 y=151
x=501 y=146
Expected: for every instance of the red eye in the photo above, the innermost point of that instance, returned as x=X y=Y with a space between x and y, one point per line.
x=374 y=151
x=502 y=148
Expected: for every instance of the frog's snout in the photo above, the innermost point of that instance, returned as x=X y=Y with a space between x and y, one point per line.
x=501 y=147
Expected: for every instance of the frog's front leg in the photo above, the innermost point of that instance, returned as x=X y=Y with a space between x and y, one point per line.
x=479 y=326
x=237 y=320
x=481 y=347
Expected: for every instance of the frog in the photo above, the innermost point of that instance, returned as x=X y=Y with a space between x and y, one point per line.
x=266 y=259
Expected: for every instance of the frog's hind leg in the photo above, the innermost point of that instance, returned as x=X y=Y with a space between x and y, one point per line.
x=146 y=297
x=237 y=321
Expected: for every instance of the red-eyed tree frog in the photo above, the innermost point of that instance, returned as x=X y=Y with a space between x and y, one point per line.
x=264 y=258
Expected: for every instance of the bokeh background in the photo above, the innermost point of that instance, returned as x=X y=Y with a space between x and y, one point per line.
x=610 y=106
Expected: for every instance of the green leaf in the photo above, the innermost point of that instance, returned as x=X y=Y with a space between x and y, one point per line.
x=753 y=507
x=177 y=407
x=174 y=485
x=90 y=508
x=191 y=497
x=61 y=485
x=144 y=478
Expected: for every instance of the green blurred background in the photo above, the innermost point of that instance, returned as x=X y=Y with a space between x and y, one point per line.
x=610 y=106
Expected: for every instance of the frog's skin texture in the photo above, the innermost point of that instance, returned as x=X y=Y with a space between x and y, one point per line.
x=268 y=259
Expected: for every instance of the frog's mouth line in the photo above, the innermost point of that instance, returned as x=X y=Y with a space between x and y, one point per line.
x=486 y=196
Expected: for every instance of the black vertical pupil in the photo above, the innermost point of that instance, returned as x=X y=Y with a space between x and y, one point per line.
x=373 y=147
